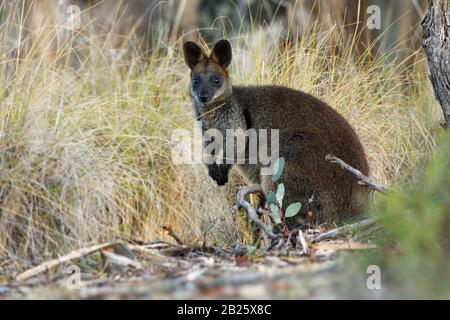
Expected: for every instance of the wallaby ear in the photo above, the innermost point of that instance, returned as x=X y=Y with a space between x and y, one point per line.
x=221 y=53
x=193 y=54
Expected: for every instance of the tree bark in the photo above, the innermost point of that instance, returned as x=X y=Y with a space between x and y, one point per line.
x=436 y=44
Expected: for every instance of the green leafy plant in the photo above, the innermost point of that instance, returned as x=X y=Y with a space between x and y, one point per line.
x=275 y=199
x=293 y=209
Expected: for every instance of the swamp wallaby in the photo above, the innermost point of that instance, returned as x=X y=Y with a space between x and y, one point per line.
x=309 y=129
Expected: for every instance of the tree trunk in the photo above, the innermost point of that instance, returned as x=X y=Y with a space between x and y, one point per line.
x=436 y=44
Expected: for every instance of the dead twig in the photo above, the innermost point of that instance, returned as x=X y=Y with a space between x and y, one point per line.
x=301 y=239
x=153 y=253
x=171 y=233
x=345 y=229
x=251 y=212
x=363 y=180
x=158 y=243
x=48 y=265
x=346 y=245
x=122 y=261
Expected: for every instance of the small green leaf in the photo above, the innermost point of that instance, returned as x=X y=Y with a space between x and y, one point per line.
x=280 y=194
x=275 y=213
x=278 y=169
x=271 y=197
x=293 y=209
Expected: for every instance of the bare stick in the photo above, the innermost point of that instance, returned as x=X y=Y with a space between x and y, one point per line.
x=345 y=229
x=251 y=212
x=122 y=261
x=364 y=180
x=76 y=254
x=171 y=233
x=301 y=239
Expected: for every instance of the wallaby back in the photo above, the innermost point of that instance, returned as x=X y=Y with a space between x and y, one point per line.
x=309 y=130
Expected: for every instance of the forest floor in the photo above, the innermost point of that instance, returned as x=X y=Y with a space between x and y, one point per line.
x=167 y=270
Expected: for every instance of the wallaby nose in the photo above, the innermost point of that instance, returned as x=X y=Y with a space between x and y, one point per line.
x=203 y=98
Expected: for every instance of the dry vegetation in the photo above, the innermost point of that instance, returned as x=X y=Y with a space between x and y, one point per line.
x=86 y=152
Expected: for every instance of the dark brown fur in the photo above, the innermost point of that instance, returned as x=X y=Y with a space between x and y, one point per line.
x=309 y=130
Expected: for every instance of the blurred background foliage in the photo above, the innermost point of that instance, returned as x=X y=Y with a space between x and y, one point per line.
x=414 y=254
x=174 y=21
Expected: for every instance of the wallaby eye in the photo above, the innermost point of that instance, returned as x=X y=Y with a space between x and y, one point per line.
x=217 y=81
x=195 y=82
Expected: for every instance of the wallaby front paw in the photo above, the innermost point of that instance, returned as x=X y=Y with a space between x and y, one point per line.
x=222 y=181
x=215 y=172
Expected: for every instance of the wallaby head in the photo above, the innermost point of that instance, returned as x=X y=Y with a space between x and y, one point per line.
x=210 y=83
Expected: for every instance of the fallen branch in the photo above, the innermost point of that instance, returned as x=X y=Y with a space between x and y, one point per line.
x=347 y=245
x=122 y=261
x=157 y=244
x=251 y=212
x=48 y=265
x=149 y=252
x=345 y=229
x=363 y=180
